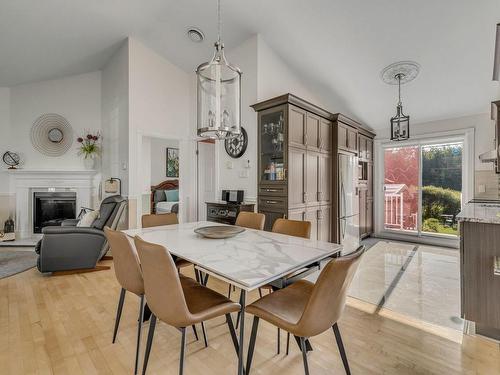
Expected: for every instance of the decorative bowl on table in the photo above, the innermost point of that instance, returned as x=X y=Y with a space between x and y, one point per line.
x=219 y=231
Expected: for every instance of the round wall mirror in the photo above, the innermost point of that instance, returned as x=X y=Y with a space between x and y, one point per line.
x=55 y=135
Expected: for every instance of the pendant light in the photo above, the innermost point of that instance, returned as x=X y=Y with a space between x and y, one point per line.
x=400 y=124
x=496 y=62
x=397 y=74
x=218 y=94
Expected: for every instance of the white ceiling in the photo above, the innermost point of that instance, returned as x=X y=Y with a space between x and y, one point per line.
x=339 y=46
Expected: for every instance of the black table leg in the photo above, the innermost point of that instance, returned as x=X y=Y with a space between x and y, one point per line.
x=242 y=332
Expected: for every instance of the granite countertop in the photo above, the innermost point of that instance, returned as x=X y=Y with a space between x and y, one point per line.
x=480 y=213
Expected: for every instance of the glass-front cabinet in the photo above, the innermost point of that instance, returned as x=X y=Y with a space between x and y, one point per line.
x=273 y=145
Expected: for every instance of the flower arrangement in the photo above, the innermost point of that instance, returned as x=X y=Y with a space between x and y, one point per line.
x=89 y=145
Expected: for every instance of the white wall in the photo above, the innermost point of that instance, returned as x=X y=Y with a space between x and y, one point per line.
x=77 y=98
x=115 y=116
x=160 y=99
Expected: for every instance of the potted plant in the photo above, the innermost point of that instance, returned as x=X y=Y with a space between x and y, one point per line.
x=89 y=148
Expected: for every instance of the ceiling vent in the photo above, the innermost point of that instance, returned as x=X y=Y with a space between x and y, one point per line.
x=195 y=34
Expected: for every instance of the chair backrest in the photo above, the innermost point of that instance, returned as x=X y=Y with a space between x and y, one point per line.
x=251 y=220
x=162 y=284
x=110 y=210
x=328 y=298
x=126 y=261
x=156 y=220
x=293 y=227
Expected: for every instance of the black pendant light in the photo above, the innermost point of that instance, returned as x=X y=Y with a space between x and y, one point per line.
x=400 y=124
x=400 y=73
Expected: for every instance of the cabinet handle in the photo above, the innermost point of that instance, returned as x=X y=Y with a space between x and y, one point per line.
x=272 y=202
x=305 y=139
x=271 y=190
x=304 y=197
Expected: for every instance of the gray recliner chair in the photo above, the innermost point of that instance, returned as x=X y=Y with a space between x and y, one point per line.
x=69 y=247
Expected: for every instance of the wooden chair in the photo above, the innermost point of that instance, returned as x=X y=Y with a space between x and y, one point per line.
x=178 y=300
x=306 y=309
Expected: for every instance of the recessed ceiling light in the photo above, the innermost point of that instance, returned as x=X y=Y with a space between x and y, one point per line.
x=195 y=34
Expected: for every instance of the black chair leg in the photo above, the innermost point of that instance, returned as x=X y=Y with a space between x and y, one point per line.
x=287 y=343
x=195 y=332
x=239 y=312
x=119 y=313
x=204 y=334
x=279 y=340
x=340 y=344
x=183 y=351
x=196 y=275
x=251 y=344
x=260 y=292
x=304 y=355
x=229 y=292
x=232 y=331
x=139 y=329
x=151 y=333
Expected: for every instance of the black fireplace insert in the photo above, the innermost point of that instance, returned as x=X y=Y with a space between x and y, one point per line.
x=51 y=208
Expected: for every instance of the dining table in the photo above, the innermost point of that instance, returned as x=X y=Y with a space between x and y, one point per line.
x=249 y=260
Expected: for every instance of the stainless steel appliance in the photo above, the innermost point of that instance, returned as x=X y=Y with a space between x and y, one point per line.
x=348 y=202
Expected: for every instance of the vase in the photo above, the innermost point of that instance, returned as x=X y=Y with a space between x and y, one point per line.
x=89 y=162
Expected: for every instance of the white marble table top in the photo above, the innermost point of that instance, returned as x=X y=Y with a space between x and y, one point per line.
x=249 y=260
x=480 y=213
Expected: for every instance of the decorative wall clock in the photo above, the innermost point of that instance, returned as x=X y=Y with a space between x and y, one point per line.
x=237 y=145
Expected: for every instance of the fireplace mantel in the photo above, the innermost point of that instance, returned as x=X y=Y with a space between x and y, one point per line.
x=25 y=182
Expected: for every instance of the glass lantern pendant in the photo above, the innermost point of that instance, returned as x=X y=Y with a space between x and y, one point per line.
x=400 y=124
x=218 y=94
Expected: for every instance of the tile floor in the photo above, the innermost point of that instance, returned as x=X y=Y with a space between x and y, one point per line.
x=420 y=281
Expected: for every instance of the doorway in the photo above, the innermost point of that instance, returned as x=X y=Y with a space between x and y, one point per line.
x=422 y=187
x=206 y=176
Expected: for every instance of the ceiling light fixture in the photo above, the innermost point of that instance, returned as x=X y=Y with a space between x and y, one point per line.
x=218 y=94
x=397 y=74
x=195 y=34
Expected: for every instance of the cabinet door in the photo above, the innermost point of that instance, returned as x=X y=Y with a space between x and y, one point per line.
x=369 y=180
x=296 y=126
x=362 y=212
x=325 y=223
x=312 y=186
x=325 y=135
x=362 y=146
x=296 y=177
x=325 y=179
x=352 y=139
x=312 y=216
x=312 y=131
x=369 y=216
x=369 y=149
x=297 y=214
x=342 y=136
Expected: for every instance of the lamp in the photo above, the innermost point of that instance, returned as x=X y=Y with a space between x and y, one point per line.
x=400 y=124
x=218 y=94
x=113 y=185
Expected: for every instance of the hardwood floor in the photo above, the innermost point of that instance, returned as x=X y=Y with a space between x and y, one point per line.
x=64 y=324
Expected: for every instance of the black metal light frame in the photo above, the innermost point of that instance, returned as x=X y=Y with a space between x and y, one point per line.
x=400 y=124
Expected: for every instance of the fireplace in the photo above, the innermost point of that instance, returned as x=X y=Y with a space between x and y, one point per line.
x=51 y=208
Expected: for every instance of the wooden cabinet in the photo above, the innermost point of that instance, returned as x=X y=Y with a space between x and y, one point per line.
x=296 y=126
x=365 y=147
x=347 y=138
x=305 y=188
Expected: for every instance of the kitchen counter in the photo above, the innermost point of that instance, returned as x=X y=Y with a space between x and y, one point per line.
x=488 y=213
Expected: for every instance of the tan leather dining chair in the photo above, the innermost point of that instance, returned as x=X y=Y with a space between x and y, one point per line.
x=295 y=228
x=306 y=309
x=157 y=220
x=252 y=220
x=129 y=276
x=178 y=300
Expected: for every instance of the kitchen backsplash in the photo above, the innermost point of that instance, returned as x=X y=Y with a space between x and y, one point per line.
x=487 y=185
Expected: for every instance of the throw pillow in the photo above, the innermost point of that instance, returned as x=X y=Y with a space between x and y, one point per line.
x=88 y=219
x=172 y=195
x=159 y=196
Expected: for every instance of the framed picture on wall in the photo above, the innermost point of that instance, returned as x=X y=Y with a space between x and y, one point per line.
x=172 y=162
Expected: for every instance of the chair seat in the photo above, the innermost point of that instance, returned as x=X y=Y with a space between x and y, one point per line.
x=182 y=263
x=284 y=307
x=204 y=303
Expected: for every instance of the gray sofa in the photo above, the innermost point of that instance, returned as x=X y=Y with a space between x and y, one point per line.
x=69 y=247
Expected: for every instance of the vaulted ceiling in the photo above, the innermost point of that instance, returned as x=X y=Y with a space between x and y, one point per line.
x=339 y=46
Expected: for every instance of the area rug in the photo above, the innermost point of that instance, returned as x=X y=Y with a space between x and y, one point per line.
x=15 y=261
